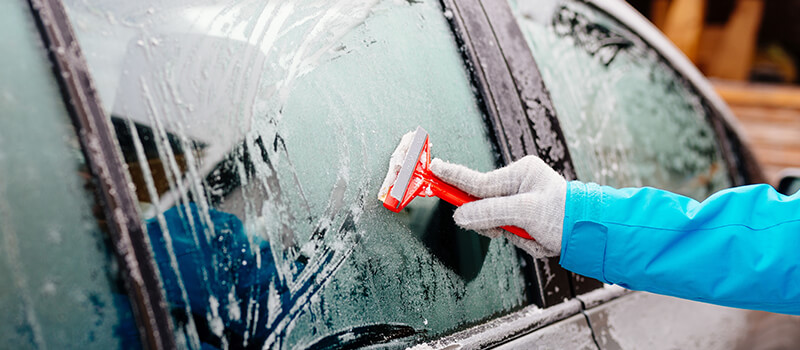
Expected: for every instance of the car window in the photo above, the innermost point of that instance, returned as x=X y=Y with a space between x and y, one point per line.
x=257 y=135
x=629 y=118
x=59 y=287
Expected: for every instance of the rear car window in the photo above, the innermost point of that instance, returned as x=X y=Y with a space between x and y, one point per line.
x=257 y=135
x=59 y=283
x=629 y=118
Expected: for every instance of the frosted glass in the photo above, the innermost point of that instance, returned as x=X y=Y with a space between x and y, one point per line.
x=258 y=133
x=628 y=117
x=59 y=286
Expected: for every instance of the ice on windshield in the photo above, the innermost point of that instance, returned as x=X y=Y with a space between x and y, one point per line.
x=257 y=134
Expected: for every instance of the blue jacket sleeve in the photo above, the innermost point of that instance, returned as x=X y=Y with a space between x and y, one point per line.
x=740 y=247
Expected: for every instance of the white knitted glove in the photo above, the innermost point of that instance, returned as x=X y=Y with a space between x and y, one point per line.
x=527 y=193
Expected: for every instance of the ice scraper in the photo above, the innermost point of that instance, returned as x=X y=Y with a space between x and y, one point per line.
x=409 y=177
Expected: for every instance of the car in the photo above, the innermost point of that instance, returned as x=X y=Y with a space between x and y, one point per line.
x=204 y=174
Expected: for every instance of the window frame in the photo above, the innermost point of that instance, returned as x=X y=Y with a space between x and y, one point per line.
x=99 y=147
x=521 y=114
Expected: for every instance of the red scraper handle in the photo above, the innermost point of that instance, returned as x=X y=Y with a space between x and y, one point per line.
x=458 y=197
x=415 y=179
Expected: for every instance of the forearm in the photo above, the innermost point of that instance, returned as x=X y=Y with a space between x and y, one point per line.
x=737 y=248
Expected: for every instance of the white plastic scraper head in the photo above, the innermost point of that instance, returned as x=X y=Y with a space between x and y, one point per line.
x=410 y=158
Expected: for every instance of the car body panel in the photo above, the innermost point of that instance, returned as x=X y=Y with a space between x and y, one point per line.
x=570 y=333
x=650 y=321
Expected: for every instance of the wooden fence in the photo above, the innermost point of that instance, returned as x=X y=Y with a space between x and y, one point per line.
x=770 y=119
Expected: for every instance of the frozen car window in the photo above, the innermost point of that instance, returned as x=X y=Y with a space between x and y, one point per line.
x=58 y=282
x=628 y=117
x=257 y=135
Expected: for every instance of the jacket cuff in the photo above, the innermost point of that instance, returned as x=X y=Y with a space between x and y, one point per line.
x=583 y=240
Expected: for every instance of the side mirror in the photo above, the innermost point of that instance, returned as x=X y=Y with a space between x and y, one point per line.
x=789 y=181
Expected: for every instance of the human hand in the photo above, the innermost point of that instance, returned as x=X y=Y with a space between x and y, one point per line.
x=527 y=193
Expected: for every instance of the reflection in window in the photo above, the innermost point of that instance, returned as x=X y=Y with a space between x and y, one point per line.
x=628 y=117
x=257 y=134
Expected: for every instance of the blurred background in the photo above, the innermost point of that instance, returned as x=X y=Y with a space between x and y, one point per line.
x=749 y=49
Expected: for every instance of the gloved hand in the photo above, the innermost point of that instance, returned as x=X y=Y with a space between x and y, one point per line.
x=527 y=193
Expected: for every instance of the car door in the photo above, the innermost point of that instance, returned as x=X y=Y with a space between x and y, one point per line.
x=256 y=135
